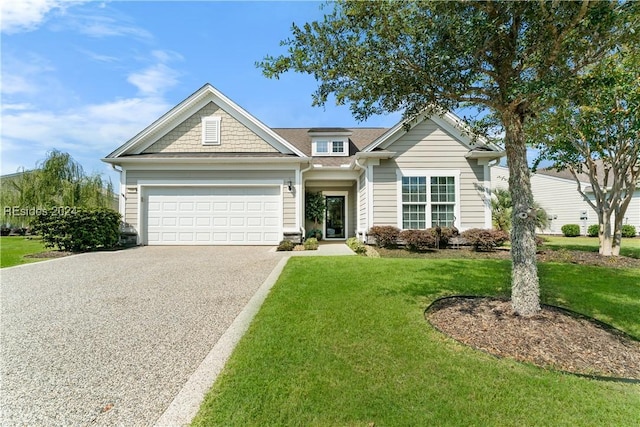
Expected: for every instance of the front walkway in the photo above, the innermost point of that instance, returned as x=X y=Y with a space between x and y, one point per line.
x=326 y=248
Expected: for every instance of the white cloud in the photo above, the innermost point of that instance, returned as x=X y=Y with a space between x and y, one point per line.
x=158 y=78
x=27 y=15
x=154 y=80
x=101 y=26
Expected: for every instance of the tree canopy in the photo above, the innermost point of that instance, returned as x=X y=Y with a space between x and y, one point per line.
x=429 y=56
x=596 y=131
x=57 y=181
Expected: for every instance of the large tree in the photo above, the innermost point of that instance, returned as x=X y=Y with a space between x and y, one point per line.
x=57 y=181
x=594 y=129
x=422 y=57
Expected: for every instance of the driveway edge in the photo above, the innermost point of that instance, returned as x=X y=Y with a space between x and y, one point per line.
x=185 y=405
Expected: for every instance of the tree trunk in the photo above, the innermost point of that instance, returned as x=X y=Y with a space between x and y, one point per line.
x=606 y=240
x=525 y=291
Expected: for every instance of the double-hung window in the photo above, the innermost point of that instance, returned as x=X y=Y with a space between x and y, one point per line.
x=428 y=200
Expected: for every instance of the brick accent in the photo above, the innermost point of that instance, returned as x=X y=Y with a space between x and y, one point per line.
x=187 y=136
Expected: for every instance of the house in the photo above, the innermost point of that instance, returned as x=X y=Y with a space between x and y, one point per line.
x=557 y=193
x=209 y=173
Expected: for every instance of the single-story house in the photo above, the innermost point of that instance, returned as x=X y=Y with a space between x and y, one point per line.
x=209 y=173
x=557 y=193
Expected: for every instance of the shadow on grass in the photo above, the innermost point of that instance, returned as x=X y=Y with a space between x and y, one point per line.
x=432 y=279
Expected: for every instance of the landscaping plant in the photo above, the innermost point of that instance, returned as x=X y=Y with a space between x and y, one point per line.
x=570 y=230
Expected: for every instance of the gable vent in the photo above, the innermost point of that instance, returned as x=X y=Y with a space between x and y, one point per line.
x=211 y=130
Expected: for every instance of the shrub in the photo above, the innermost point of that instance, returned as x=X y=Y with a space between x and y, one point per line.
x=485 y=240
x=298 y=248
x=285 y=245
x=386 y=235
x=314 y=233
x=311 y=244
x=419 y=240
x=628 y=230
x=593 y=230
x=356 y=245
x=84 y=230
x=4 y=231
x=571 y=230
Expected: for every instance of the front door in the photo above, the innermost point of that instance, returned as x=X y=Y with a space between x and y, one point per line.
x=335 y=220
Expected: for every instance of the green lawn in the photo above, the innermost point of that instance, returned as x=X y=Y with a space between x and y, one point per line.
x=342 y=341
x=14 y=248
x=629 y=247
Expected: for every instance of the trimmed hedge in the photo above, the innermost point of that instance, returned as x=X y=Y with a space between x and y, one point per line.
x=419 y=240
x=571 y=230
x=485 y=240
x=311 y=244
x=386 y=235
x=285 y=246
x=356 y=245
x=593 y=230
x=628 y=230
x=83 y=230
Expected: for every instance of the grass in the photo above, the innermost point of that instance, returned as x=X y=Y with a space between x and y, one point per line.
x=14 y=248
x=342 y=341
x=629 y=247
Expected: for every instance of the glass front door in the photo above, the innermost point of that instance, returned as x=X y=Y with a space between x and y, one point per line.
x=335 y=221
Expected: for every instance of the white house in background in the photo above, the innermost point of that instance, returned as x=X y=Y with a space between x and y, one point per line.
x=557 y=192
x=209 y=173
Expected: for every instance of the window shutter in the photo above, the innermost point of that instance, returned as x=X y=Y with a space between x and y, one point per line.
x=211 y=130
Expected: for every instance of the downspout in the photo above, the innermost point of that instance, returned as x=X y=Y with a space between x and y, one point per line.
x=302 y=193
x=122 y=197
x=366 y=183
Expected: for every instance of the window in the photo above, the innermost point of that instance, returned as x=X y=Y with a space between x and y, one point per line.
x=323 y=147
x=211 y=131
x=337 y=147
x=420 y=201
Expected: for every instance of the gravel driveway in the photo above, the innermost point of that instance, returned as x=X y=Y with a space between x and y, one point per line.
x=110 y=338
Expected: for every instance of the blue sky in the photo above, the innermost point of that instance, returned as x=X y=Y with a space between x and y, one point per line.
x=84 y=77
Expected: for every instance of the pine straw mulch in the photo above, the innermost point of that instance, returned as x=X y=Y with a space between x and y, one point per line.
x=49 y=254
x=554 y=338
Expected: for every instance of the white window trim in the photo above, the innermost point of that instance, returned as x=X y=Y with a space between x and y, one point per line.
x=216 y=138
x=330 y=141
x=428 y=174
x=346 y=215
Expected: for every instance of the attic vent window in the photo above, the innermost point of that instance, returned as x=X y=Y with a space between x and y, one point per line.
x=211 y=131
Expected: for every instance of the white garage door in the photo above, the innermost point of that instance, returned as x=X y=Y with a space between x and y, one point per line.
x=213 y=215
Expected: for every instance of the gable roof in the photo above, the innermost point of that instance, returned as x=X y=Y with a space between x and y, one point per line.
x=191 y=105
x=450 y=123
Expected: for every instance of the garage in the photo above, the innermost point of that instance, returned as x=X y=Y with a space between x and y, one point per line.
x=213 y=215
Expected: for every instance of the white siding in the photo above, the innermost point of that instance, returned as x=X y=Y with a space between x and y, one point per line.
x=558 y=197
x=429 y=147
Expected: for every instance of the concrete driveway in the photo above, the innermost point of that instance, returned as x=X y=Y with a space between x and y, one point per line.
x=110 y=338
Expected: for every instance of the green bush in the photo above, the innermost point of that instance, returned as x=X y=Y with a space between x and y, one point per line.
x=571 y=230
x=419 y=240
x=386 y=235
x=628 y=230
x=593 y=230
x=311 y=244
x=285 y=245
x=356 y=245
x=485 y=240
x=83 y=229
x=315 y=233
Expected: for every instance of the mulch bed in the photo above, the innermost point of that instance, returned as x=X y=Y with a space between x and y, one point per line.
x=551 y=339
x=49 y=254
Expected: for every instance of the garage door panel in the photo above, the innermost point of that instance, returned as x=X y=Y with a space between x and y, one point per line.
x=213 y=215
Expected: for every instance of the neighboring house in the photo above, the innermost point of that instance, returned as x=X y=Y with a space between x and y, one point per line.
x=557 y=193
x=208 y=172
